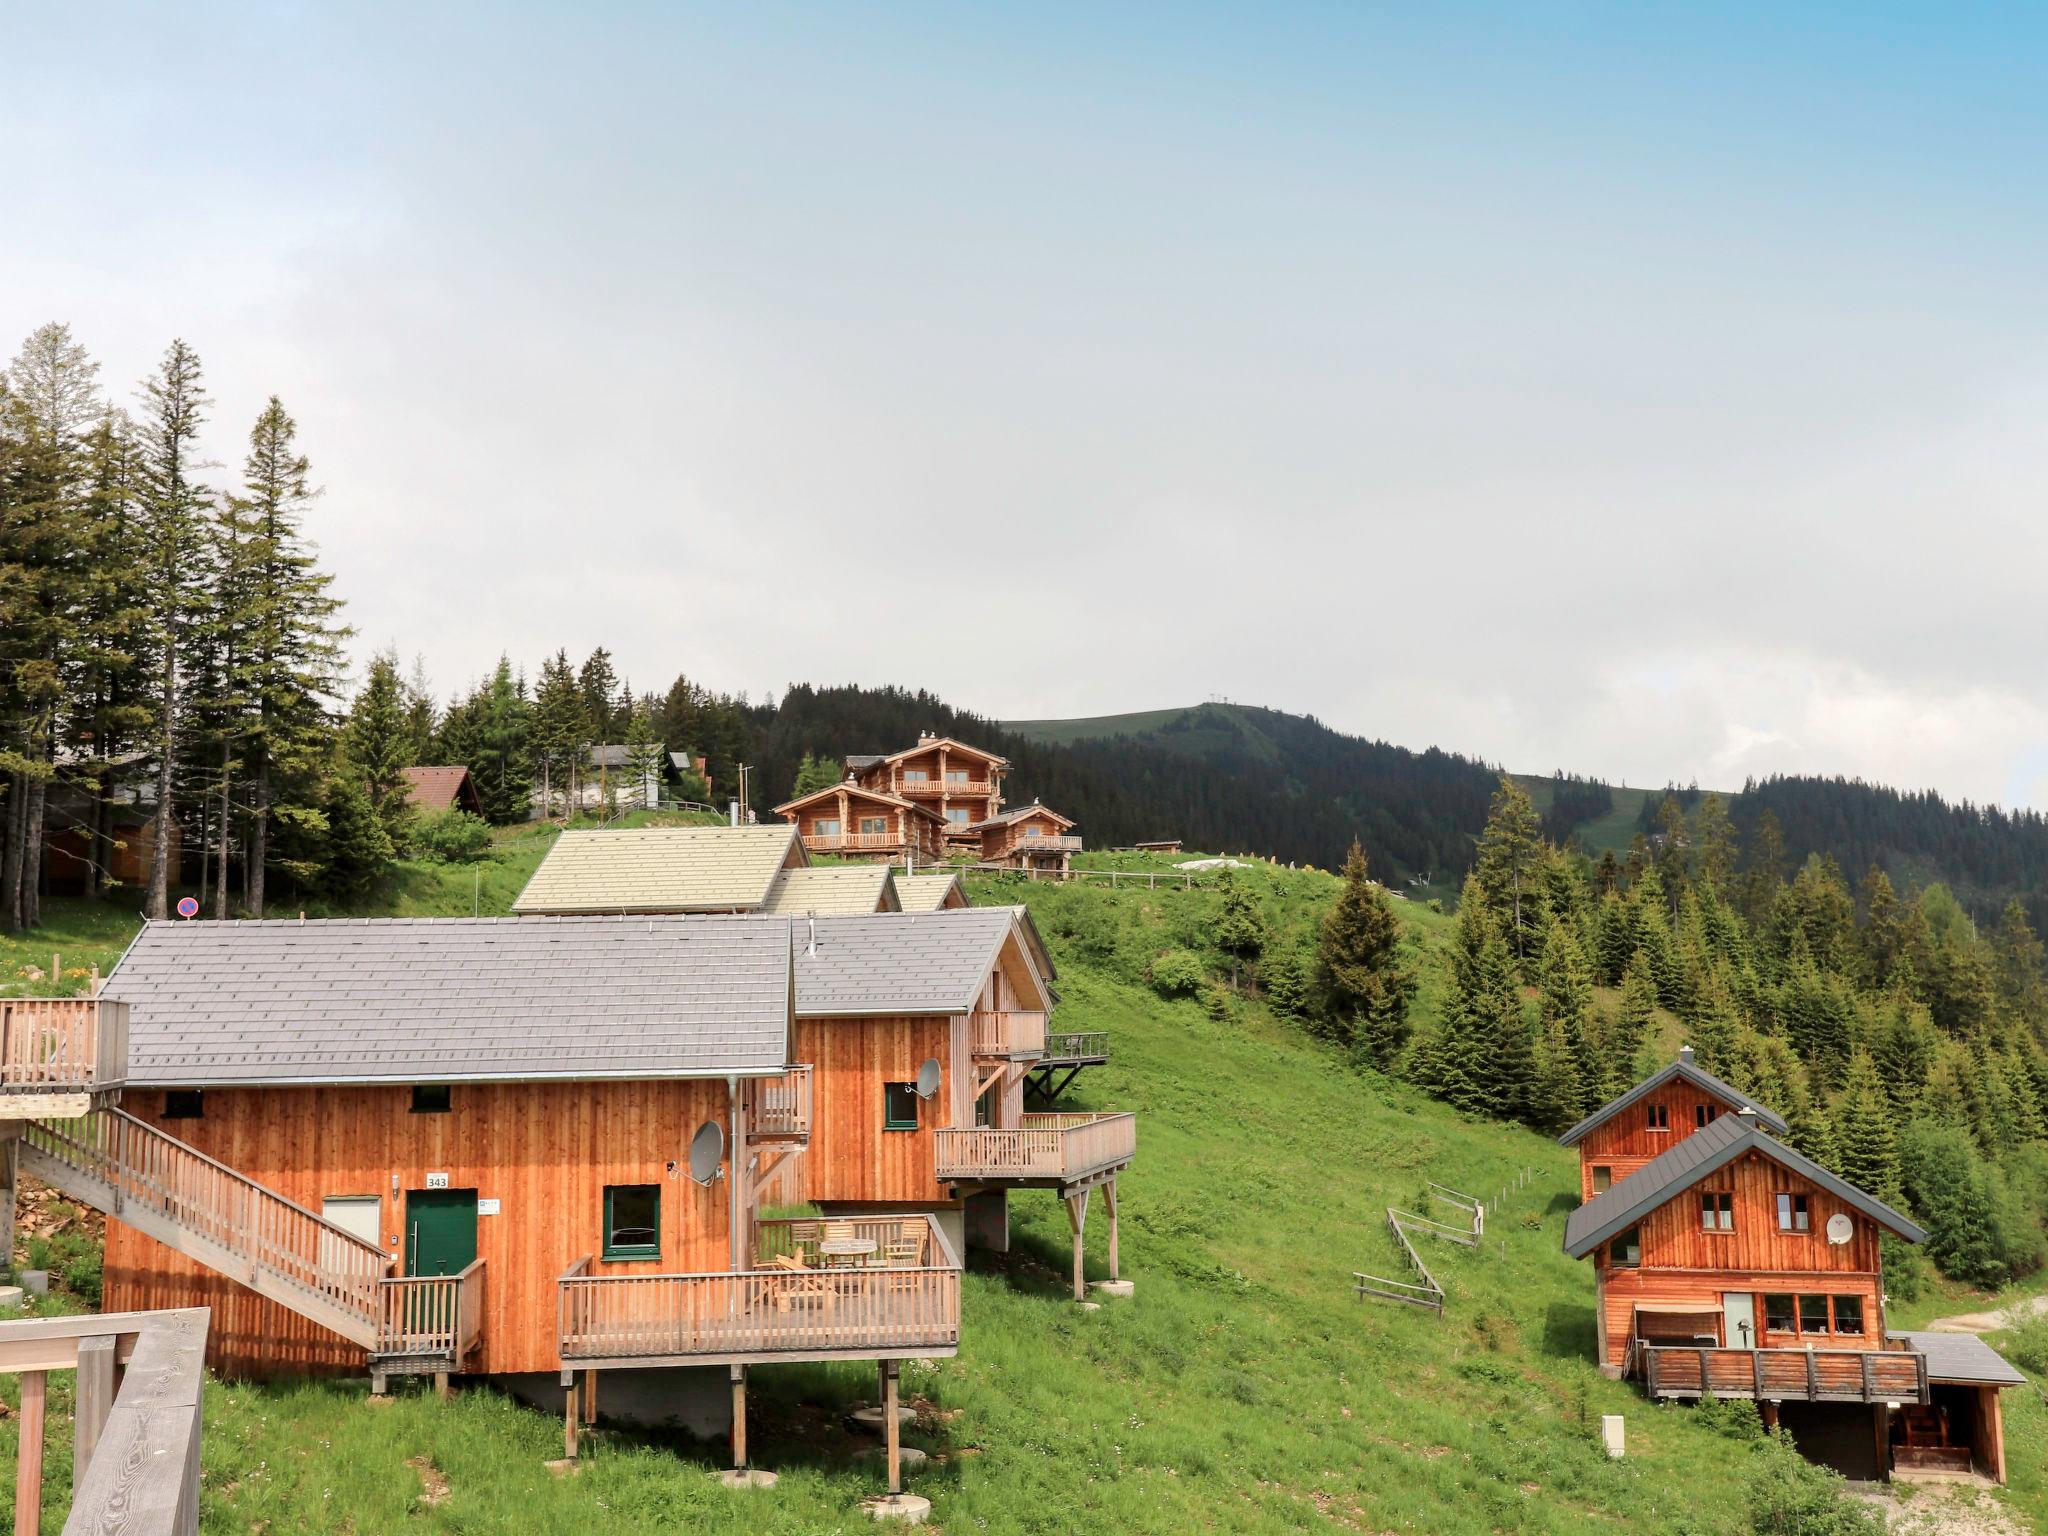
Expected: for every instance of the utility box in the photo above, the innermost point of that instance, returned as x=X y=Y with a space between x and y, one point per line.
x=1611 y=1434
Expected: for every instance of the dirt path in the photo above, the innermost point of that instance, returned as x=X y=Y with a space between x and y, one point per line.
x=1943 y=1511
x=1991 y=1322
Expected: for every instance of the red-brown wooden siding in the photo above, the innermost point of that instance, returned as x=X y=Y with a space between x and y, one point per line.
x=1626 y=1142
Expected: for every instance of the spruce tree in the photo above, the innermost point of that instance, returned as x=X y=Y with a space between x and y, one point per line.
x=1566 y=1014
x=600 y=685
x=561 y=733
x=1509 y=870
x=1241 y=930
x=358 y=851
x=1634 y=1027
x=1365 y=985
x=1714 y=840
x=644 y=754
x=502 y=752
x=813 y=774
x=1483 y=1058
x=379 y=745
x=1866 y=1143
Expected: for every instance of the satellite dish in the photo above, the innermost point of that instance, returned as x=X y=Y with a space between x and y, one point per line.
x=928 y=1078
x=1840 y=1228
x=707 y=1151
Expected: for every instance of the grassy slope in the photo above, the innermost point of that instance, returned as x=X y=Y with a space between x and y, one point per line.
x=1243 y=1390
x=1613 y=831
x=1061 y=732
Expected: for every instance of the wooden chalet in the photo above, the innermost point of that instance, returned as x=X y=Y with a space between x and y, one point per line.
x=1031 y=837
x=500 y=1147
x=852 y=821
x=963 y=784
x=1726 y=1263
x=437 y=790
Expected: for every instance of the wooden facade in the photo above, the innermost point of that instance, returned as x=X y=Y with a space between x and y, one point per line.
x=1035 y=838
x=850 y=821
x=1613 y=1150
x=543 y=1152
x=963 y=783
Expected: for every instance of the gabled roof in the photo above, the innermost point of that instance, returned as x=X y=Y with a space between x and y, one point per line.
x=455 y=999
x=929 y=893
x=1021 y=813
x=1683 y=1068
x=834 y=890
x=899 y=962
x=612 y=754
x=1960 y=1357
x=1671 y=1174
x=858 y=760
x=438 y=789
x=661 y=869
x=848 y=787
x=925 y=744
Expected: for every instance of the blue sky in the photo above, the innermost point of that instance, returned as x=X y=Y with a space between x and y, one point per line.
x=1645 y=391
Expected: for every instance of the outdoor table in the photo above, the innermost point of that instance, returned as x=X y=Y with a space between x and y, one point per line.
x=847 y=1248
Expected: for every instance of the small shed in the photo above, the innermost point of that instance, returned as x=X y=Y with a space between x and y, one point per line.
x=448 y=787
x=1963 y=1428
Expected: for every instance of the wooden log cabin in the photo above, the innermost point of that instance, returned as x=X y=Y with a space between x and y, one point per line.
x=855 y=822
x=529 y=1148
x=963 y=784
x=1031 y=837
x=1729 y=1264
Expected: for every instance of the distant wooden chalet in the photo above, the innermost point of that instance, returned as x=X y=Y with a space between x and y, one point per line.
x=1728 y=1263
x=436 y=791
x=850 y=820
x=1033 y=837
x=500 y=1147
x=963 y=784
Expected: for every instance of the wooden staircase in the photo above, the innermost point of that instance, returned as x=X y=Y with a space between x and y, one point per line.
x=205 y=1210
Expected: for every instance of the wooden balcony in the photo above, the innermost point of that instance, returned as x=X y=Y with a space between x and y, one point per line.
x=1064 y=843
x=896 y=1298
x=1784 y=1375
x=1077 y=1045
x=779 y=1108
x=996 y=1033
x=428 y=1322
x=57 y=1053
x=933 y=789
x=1059 y=1150
x=853 y=842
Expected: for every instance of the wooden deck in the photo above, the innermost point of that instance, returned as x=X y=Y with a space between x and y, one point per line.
x=1784 y=1375
x=901 y=1300
x=62 y=1050
x=998 y=1033
x=1049 y=1149
x=779 y=1108
x=1081 y=1047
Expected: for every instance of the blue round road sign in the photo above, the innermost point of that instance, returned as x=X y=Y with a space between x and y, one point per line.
x=188 y=906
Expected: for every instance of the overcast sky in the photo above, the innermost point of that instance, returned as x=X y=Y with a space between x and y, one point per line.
x=1647 y=395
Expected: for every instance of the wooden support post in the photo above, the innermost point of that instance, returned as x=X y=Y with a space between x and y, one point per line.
x=1077 y=1218
x=1109 y=1205
x=891 y=1370
x=1881 y=1417
x=590 y=1397
x=94 y=1402
x=571 y=1413
x=10 y=1181
x=442 y=1389
x=739 y=1417
x=28 y=1455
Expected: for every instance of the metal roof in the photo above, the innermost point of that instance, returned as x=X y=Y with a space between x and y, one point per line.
x=833 y=890
x=1961 y=1357
x=661 y=869
x=1684 y=1068
x=1670 y=1174
x=455 y=999
x=898 y=962
x=928 y=893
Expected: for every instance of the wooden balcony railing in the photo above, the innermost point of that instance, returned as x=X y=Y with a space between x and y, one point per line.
x=852 y=842
x=62 y=1045
x=916 y=1242
x=135 y=1425
x=1065 y=843
x=1043 y=1147
x=1784 y=1375
x=866 y=1309
x=779 y=1108
x=997 y=1033
x=438 y=1317
x=966 y=789
x=1077 y=1045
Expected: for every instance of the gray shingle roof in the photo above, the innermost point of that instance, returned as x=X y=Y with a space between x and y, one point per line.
x=897 y=962
x=1961 y=1357
x=455 y=999
x=1665 y=1177
x=1684 y=1068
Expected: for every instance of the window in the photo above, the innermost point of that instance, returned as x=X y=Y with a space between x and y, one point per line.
x=184 y=1104
x=1703 y=1115
x=1813 y=1314
x=632 y=1221
x=1657 y=1116
x=825 y=826
x=1779 y=1316
x=1792 y=1214
x=956 y=775
x=1603 y=1178
x=915 y=776
x=1034 y=830
x=1717 y=1211
x=1848 y=1314
x=874 y=824
x=899 y=1106
x=431 y=1101
x=1627 y=1249
x=957 y=814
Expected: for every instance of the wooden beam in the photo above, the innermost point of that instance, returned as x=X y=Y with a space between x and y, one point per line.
x=95 y=1400
x=572 y=1411
x=590 y=1397
x=28 y=1454
x=1109 y=1205
x=739 y=1418
x=891 y=1371
x=1077 y=1218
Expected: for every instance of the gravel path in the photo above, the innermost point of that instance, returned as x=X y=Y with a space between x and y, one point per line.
x=1991 y=1322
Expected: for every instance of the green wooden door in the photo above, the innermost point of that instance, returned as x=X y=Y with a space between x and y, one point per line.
x=440 y=1231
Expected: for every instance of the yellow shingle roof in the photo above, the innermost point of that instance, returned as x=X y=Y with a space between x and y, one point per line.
x=927 y=893
x=842 y=890
x=660 y=869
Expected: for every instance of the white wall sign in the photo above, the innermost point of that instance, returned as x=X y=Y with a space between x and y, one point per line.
x=437 y=1181
x=487 y=1207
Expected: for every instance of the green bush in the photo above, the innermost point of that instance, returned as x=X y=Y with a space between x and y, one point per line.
x=1790 y=1496
x=2027 y=1345
x=1178 y=972
x=453 y=837
x=81 y=1276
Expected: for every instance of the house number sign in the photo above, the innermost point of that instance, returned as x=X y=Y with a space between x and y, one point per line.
x=437 y=1181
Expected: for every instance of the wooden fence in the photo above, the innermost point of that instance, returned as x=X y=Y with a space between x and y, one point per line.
x=1150 y=879
x=135 y=1441
x=432 y=1316
x=1044 y=1146
x=1077 y=1045
x=62 y=1045
x=1429 y=1292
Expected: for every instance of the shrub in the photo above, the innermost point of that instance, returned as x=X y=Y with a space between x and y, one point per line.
x=82 y=1278
x=1178 y=972
x=453 y=837
x=1790 y=1496
x=2027 y=1345
x=1737 y=1417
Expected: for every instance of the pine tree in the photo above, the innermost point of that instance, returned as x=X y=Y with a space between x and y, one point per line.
x=1566 y=1013
x=358 y=851
x=644 y=754
x=1483 y=1059
x=379 y=745
x=1866 y=1144
x=1365 y=986
x=561 y=733
x=422 y=718
x=502 y=766
x=812 y=774
x=1634 y=1027
x=2019 y=964
x=1713 y=836
x=600 y=685
x=172 y=541
x=1509 y=870
x=1241 y=930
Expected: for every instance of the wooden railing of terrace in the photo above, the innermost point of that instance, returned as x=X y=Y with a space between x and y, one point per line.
x=997 y=1033
x=1051 y=1147
x=1061 y=843
x=852 y=842
x=131 y=1171
x=135 y=1438
x=779 y=1108
x=61 y=1045
x=1784 y=1375
x=965 y=789
x=1077 y=1045
x=430 y=1318
x=875 y=1311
